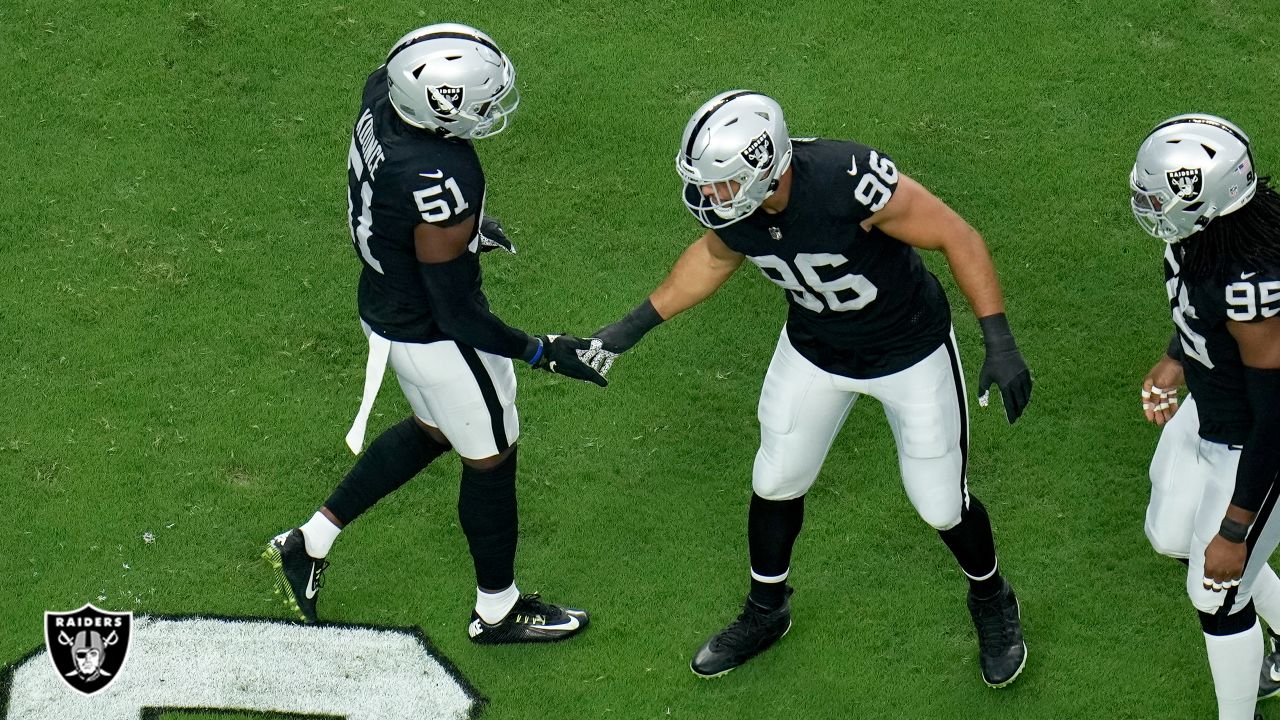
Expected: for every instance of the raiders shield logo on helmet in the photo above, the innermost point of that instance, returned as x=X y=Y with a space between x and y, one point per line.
x=445 y=99
x=88 y=646
x=1185 y=183
x=759 y=153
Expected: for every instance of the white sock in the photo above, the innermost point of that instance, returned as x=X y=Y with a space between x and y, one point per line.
x=319 y=534
x=1234 y=661
x=1266 y=597
x=492 y=607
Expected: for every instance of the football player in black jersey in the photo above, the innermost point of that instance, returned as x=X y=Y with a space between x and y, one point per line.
x=837 y=226
x=416 y=197
x=1214 y=474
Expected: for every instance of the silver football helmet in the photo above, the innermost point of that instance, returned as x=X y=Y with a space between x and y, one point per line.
x=1190 y=169
x=452 y=78
x=735 y=137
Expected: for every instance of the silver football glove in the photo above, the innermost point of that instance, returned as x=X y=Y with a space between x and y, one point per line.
x=597 y=357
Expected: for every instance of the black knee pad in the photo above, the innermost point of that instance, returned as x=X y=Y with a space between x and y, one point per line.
x=1221 y=623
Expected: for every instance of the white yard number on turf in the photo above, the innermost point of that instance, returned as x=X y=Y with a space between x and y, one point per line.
x=249 y=665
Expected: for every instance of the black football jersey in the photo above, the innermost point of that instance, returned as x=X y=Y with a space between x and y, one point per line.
x=1214 y=371
x=861 y=303
x=399 y=176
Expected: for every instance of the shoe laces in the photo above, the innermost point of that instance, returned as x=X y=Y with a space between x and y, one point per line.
x=989 y=617
x=531 y=604
x=747 y=624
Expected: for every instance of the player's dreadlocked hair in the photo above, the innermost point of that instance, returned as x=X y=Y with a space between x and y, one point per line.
x=1247 y=236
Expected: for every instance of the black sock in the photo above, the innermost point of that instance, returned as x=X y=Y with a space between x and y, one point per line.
x=391 y=460
x=975 y=549
x=772 y=528
x=488 y=515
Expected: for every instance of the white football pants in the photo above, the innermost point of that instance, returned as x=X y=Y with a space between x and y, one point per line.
x=802 y=408
x=1192 y=480
x=469 y=395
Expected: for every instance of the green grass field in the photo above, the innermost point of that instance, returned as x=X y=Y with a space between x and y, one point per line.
x=182 y=355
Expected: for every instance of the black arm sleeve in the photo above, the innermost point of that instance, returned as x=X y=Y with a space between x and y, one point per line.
x=1175 y=347
x=1260 y=459
x=462 y=312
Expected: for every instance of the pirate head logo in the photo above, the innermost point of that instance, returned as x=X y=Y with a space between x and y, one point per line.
x=1185 y=183
x=445 y=100
x=775 y=233
x=88 y=646
x=759 y=153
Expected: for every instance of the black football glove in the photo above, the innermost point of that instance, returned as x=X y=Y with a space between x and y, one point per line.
x=1004 y=367
x=560 y=356
x=493 y=237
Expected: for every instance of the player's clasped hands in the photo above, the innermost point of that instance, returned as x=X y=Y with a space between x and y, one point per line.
x=562 y=355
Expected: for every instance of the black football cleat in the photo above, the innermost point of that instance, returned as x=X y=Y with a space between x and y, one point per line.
x=751 y=634
x=298 y=576
x=1269 y=679
x=1001 y=652
x=530 y=620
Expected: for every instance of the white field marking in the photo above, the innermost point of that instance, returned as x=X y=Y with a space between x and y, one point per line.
x=352 y=672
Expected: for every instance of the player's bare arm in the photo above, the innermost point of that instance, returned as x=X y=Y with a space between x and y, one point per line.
x=1259 y=344
x=916 y=217
x=701 y=270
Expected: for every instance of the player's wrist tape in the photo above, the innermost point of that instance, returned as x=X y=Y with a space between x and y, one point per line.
x=534 y=350
x=1175 y=347
x=1233 y=530
x=627 y=332
x=996 y=334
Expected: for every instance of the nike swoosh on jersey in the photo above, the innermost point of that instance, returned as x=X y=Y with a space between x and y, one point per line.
x=1246 y=276
x=311 y=583
x=570 y=624
x=433 y=176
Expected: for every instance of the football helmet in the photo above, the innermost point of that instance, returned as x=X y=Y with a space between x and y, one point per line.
x=740 y=137
x=1190 y=169
x=453 y=79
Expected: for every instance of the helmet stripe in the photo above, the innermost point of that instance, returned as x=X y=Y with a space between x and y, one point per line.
x=443 y=35
x=1204 y=121
x=688 y=151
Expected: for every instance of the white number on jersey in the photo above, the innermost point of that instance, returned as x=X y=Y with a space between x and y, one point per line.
x=436 y=209
x=803 y=293
x=874 y=191
x=1193 y=343
x=361 y=224
x=1248 y=301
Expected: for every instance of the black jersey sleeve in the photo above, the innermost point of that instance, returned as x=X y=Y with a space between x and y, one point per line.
x=463 y=312
x=868 y=177
x=446 y=191
x=1252 y=293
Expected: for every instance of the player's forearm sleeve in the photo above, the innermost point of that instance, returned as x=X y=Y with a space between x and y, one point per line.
x=625 y=333
x=462 y=312
x=1260 y=460
x=1175 y=347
